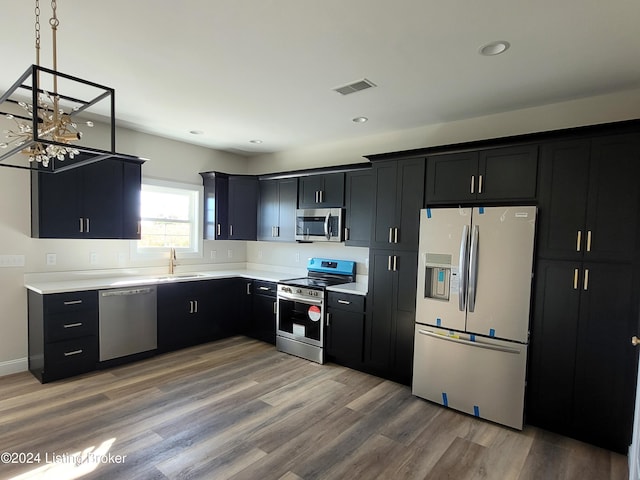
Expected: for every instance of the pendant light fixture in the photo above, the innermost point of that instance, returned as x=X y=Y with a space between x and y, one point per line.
x=43 y=113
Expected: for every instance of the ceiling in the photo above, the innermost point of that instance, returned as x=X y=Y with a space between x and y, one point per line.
x=241 y=70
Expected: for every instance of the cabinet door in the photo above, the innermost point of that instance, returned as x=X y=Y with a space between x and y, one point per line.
x=358 y=198
x=379 y=319
x=564 y=180
x=406 y=264
x=508 y=173
x=308 y=188
x=452 y=178
x=345 y=335
x=216 y=205
x=384 y=203
x=287 y=202
x=409 y=201
x=262 y=324
x=268 y=210
x=612 y=229
x=132 y=179
x=553 y=345
x=176 y=326
x=56 y=204
x=102 y=205
x=321 y=191
x=243 y=208
x=606 y=360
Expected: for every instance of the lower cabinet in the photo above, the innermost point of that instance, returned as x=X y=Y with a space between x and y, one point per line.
x=261 y=323
x=389 y=332
x=195 y=312
x=344 y=330
x=63 y=334
x=582 y=367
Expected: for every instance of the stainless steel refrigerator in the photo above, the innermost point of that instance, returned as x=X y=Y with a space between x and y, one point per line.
x=472 y=309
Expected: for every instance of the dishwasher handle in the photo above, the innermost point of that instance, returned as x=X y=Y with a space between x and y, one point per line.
x=127 y=292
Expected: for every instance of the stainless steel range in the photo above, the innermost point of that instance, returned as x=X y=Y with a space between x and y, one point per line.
x=301 y=307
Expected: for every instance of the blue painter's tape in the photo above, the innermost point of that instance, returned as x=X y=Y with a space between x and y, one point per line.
x=428 y=213
x=445 y=401
x=441 y=276
x=476 y=411
x=472 y=338
x=438 y=322
x=481 y=210
x=492 y=332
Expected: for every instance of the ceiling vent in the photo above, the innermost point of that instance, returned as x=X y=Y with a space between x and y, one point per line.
x=355 y=87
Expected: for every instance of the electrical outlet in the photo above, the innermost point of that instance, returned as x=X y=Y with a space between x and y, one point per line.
x=214 y=254
x=51 y=259
x=230 y=253
x=93 y=258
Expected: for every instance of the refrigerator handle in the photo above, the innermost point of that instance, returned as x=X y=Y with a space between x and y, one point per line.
x=488 y=346
x=462 y=274
x=473 y=268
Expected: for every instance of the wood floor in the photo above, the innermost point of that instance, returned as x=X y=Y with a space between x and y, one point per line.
x=239 y=409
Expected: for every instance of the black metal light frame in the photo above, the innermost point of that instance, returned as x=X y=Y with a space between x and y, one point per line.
x=87 y=155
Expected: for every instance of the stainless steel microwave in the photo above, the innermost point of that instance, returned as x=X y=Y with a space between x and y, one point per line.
x=319 y=225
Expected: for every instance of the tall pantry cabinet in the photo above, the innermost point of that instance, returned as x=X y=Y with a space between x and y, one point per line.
x=393 y=263
x=586 y=306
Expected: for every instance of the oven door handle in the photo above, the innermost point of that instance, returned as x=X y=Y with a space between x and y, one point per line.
x=295 y=298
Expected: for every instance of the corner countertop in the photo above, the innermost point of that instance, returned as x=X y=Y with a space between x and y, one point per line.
x=64 y=282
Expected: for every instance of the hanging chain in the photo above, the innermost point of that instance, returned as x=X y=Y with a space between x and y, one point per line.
x=37 y=27
x=54 y=22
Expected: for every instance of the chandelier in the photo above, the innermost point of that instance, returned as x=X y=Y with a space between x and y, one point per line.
x=42 y=114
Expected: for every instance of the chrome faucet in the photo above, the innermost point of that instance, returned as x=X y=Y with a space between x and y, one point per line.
x=172 y=260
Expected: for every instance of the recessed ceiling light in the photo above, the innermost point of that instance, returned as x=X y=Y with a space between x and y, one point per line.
x=494 y=48
x=360 y=119
x=196 y=132
x=256 y=141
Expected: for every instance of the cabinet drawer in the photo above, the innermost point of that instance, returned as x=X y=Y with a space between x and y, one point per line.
x=261 y=287
x=65 y=326
x=70 y=302
x=70 y=357
x=345 y=301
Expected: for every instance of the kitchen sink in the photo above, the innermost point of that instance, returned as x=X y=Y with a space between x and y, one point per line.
x=180 y=276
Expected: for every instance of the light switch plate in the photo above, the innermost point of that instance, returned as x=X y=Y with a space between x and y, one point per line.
x=51 y=258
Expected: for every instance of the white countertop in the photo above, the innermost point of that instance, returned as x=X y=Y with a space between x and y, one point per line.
x=76 y=282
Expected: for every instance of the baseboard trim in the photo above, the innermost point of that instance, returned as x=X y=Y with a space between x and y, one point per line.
x=14 y=366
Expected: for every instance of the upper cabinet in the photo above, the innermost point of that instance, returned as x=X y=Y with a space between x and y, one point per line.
x=499 y=174
x=358 y=214
x=277 y=210
x=589 y=199
x=99 y=200
x=321 y=191
x=399 y=187
x=230 y=206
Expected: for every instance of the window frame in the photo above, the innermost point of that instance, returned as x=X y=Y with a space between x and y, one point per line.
x=196 y=218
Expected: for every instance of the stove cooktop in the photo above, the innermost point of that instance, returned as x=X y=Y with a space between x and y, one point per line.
x=323 y=272
x=311 y=282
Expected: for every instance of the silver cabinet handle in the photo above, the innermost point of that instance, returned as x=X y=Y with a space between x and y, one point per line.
x=586 y=279
x=575 y=279
x=390 y=234
x=231 y=230
x=196 y=309
x=275 y=308
x=87 y=219
x=579 y=241
x=395 y=235
x=346 y=233
x=344 y=302
x=219 y=229
x=72 y=302
x=81 y=225
x=190 y=306
x=389 y=263
x=277 y=231
x=248 y=289
x=72 y=325
x=395 y=263
x=480 y=184
x=473 y=183
x=328 y=319
x=588 y=240
x=75 y=352
x=261 y=288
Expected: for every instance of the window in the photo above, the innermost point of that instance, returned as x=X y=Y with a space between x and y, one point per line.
x=171 y=217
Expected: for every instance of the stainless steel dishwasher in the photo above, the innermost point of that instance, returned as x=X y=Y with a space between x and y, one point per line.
x=127 y=321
